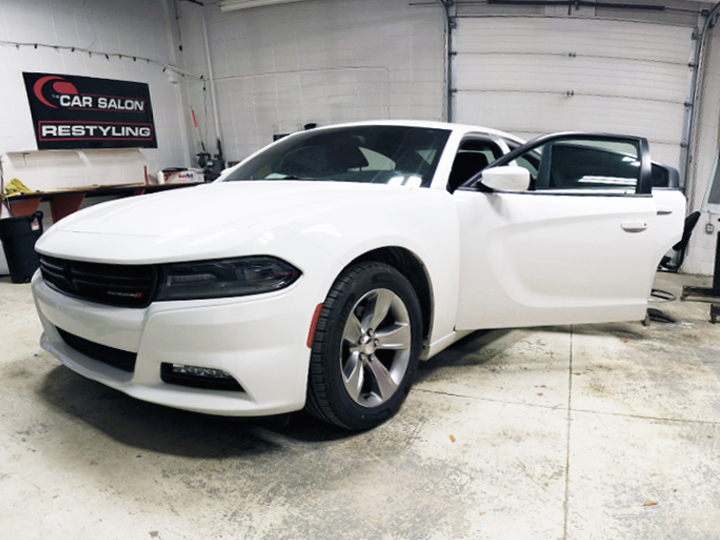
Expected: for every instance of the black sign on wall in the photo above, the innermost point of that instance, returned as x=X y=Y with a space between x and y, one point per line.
x=84 y=112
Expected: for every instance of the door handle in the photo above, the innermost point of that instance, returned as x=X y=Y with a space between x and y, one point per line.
x=634 y=226
x=664 y=211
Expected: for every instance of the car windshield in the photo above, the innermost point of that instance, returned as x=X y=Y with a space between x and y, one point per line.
x=395 y=155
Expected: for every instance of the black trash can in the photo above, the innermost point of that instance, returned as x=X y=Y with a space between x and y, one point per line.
x=18 y=236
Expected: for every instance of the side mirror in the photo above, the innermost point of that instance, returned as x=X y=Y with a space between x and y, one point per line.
x=507 y=178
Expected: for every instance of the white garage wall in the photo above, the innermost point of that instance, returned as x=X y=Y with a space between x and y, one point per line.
x=318 y=61
x=532 y=76
x=131 y=27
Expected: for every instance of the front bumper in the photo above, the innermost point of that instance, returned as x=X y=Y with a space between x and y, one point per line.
x=259 y=340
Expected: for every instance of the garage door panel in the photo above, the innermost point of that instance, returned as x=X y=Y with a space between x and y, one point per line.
x=621 y=78
x=608 y=39
x=518 y=74
x=665 y=153
x=544 y=113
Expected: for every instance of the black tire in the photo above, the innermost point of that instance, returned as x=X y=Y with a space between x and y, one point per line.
x=359 y=378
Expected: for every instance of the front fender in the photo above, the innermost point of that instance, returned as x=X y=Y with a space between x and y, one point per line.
x=421 y=221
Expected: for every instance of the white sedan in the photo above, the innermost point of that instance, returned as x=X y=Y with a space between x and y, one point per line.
x=317 y=272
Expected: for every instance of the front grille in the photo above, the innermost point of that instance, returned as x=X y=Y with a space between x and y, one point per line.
x=117 y=358
x=121 y=285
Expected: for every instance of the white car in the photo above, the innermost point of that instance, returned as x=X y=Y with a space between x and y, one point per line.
x=318 y=271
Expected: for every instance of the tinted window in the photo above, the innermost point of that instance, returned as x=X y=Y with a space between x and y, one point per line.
x=583 y=164
x=665 y=176
x=379 y=154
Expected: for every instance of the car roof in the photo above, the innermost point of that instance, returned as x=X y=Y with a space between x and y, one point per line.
x=431 y=124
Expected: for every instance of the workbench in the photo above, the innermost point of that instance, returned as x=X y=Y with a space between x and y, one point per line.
x=65 y=202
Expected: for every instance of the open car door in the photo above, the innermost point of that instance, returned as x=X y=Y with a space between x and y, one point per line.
x=581 y=244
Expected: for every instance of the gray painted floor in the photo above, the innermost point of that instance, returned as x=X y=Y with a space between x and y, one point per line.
x=556 y=433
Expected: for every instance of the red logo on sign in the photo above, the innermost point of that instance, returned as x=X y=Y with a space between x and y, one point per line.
x=60 y=85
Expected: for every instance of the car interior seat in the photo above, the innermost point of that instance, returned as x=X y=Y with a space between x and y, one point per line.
x=671 y=262
x=667 y=263
x=465 y=166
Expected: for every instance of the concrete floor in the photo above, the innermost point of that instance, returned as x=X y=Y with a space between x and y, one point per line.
x=555 y=433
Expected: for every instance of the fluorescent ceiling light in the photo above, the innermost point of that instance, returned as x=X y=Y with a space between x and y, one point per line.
x=232 y=5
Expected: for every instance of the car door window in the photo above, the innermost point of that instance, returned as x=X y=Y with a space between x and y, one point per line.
x=584 y=165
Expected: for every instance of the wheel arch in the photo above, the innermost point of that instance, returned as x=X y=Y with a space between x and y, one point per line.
x=411 y=267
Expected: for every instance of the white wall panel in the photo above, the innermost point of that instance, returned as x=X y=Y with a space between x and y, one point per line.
x=286 y=100
x=131 y=27
x=280 y=67
x=537 y=75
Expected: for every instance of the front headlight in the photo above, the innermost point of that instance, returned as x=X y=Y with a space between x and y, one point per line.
x=226 y=277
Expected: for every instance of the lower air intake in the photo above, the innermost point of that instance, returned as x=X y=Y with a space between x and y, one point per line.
x=117 y=358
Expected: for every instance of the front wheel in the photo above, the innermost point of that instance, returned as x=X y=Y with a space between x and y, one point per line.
x=365 y=348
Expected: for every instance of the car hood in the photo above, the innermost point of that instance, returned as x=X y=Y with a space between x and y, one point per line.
x=213 y=208
x=216 y=220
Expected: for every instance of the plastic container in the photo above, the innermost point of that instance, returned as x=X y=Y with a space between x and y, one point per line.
x=18 y=235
